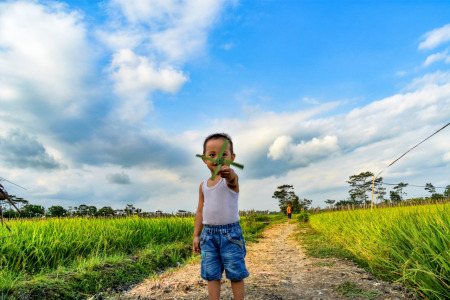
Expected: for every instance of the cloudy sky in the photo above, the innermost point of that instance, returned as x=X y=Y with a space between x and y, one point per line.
x=107 y=103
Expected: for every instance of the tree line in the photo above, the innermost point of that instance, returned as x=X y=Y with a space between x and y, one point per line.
x=359 y=194
x=361 y=187
x=29 y=210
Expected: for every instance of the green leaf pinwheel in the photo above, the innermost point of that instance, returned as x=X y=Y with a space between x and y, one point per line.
x=220 y=160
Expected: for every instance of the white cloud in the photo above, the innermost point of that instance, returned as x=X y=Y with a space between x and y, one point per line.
x=166 y=34
x=44 y=53
x=435 y=37
x=120 y=39
x=152 y=12
x=303 y=153
x=310 y=100
x=446 y=157
x=176 y=30
x=9 y=93
x=436 y=78
x=135 y=78
x=136 y=74
x=437 y=57
x=401 y=73
x=280 y=147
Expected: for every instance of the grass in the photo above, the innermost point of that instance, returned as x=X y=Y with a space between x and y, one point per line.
x=324 y=264
x=76 y=258
x=320 y=245
x=351 y=290
x=114 y=274
x=406 y=244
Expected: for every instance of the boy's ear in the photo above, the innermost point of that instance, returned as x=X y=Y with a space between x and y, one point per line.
x=233 y=156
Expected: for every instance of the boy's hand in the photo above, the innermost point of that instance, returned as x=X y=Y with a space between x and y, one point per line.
x=227 y=173
x=196 y=245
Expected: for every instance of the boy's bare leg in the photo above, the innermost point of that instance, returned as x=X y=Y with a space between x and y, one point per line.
x=214 y=289
x=238 y=289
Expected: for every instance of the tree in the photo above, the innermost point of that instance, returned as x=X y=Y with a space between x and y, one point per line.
x=106 y=211
x=11 y=213
x=70 y=211
x=83 y=210
x=285 y=195
x=57 y=211
x=447 y=191
x=395 y=197
x=430 y=188
x=360 y=185
x=330 y=202
x=17 y=201
x=380 y=191
x=182 y=212
x=31 y=210
x=305 y=203
x=343 y=203
x=92 y=210
x=130 y=209
x=399 y=189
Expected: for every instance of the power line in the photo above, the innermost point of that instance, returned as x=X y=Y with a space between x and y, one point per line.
x=3 y=179
x=410 y=150
x=436 y=187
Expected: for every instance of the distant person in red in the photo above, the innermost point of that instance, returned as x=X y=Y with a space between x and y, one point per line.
x=289 y=211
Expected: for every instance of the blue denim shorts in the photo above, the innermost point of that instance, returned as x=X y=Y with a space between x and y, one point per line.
x=223 y=248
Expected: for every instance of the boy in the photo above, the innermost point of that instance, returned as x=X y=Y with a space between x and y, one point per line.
x=221 y=242
x=289 y=211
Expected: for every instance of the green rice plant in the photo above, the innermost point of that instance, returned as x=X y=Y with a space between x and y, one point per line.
x=408 y=244
x=47 y=244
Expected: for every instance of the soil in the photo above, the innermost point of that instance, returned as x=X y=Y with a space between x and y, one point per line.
x=278 y=269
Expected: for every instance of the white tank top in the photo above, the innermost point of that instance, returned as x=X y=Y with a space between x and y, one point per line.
x=220 y=204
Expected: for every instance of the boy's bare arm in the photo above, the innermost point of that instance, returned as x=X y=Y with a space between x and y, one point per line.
x=230 y=176
x=198 y=223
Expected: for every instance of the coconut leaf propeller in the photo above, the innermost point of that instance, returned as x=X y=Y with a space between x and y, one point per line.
x=220 y=160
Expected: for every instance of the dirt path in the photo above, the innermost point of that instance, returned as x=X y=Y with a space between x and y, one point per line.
x=278 y=270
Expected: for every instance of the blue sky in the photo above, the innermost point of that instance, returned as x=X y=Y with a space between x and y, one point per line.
x=107 y=103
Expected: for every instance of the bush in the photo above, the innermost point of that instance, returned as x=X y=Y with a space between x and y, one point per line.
x=303 y=217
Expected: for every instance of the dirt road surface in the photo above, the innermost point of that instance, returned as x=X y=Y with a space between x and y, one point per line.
x=278 y=269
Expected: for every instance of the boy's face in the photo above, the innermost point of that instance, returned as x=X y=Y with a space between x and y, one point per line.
x=212 y=149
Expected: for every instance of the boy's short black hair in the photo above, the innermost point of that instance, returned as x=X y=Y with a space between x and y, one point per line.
x=218 y=136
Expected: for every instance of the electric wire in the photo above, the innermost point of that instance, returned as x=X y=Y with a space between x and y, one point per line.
x=436 y=187
x=411 y=149
x=3 y=179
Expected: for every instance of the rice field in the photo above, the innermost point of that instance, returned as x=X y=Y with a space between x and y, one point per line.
x=44 y=245
x=406 y=244
x=50 y=247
